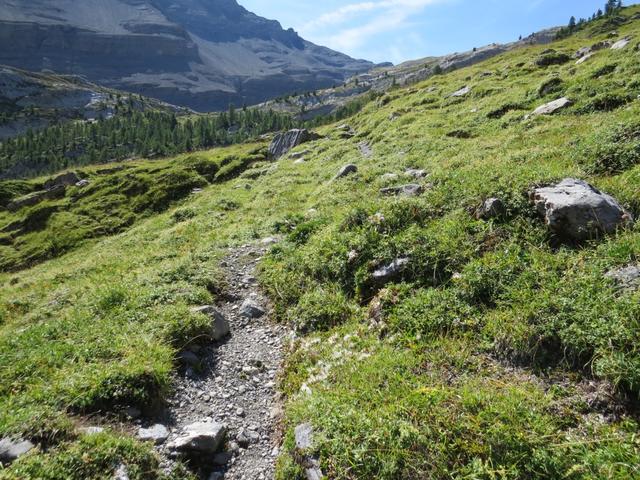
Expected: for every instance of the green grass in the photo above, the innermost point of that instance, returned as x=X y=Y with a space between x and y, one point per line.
x=500 y=353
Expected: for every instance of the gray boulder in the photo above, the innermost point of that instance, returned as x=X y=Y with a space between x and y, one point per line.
x=67 y=179
x=346 y=171
x=552 y=107
x=391 y=271
x=11 y=450
x=200 y=437
x=283 y=142
x=250 y=309
x=491 y=208
x=219 y=324
x=626 y=278
x=415 y=173
x=365 y=149
x=409 y=190
x=157 y=434
x=576 y=210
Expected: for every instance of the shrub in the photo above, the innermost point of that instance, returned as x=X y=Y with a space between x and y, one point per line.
x=321 y=309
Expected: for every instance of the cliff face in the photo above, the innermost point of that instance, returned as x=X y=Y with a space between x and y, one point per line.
x=203 y=54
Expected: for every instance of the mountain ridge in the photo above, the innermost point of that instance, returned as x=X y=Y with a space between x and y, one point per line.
x=202 y=55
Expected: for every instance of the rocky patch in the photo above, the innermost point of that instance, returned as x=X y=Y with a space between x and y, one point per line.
x=284 y=142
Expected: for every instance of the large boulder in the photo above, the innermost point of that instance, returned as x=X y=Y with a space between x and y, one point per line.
x=576 y=210
x=67 y=179
x=11 y=450
x=283 y=142
x=219 y=324
x=200 y=438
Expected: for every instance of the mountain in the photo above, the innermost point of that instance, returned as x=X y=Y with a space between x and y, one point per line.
x=337 y=99
x=203 y=54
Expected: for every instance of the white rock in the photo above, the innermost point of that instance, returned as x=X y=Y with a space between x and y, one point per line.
x=620 y=44
x=11 y=450
x=200 y=437
x=552 y=107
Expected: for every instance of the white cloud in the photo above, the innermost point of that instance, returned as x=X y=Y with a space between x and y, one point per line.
x=363 y=20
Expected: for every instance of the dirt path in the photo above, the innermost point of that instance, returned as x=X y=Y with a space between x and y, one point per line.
x=235 y=384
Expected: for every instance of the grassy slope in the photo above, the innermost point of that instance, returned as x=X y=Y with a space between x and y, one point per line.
x=430 y=389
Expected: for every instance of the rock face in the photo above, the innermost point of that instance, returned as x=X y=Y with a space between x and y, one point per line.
x=409 y=190
x=576 y=210
x=200 y=438
x=283 y=142
x=204 y=54
x=552 y=107
x=219 y=324
x=627 y=278
x=346 y=171
x=11 y=450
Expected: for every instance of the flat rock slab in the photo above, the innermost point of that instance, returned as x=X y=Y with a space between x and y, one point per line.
x=11 y=450
x=620 y=44
x=200 y=437
x=461 y=93
x=576 y=210
x=552 y=107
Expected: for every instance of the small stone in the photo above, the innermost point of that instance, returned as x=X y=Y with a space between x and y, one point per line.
x=121 y=473
x=462 y=92
x=626 y=278
x=269 y=241
x=11 y=450
x=303 y=434
x=391 y=271
x=91 y=430
x=82 y=183
x=250 y=309
x=491 y=208
x=415 y=173
x=345 y=171
x=157 y=434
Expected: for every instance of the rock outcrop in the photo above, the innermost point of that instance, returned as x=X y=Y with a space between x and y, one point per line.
x=36 y=198
x=575 y=210
x=284 y=142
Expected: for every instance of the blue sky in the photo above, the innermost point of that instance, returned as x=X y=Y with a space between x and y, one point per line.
x=398 y=30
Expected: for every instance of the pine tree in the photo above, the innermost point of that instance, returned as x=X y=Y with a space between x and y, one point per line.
x=572 y=23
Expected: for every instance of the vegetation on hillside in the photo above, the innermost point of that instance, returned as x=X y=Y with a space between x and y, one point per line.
x=130 y=134
x=500 y=352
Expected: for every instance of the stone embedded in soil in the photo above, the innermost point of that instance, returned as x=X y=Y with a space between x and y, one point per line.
x=303 y=435
x=491 y=208
x=409 y=190
x=415 y=173
x=552 y=107
x=219 y=324
x=626 y=278
x=391 y=271
x=345 y=171
x=200 y=437
x=11 y=450
x=157 y=434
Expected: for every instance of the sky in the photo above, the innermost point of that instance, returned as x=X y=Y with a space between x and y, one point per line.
x=399 y=30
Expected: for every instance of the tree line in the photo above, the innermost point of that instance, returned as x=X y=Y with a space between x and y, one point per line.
x=612 y=7
x=136 y=134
